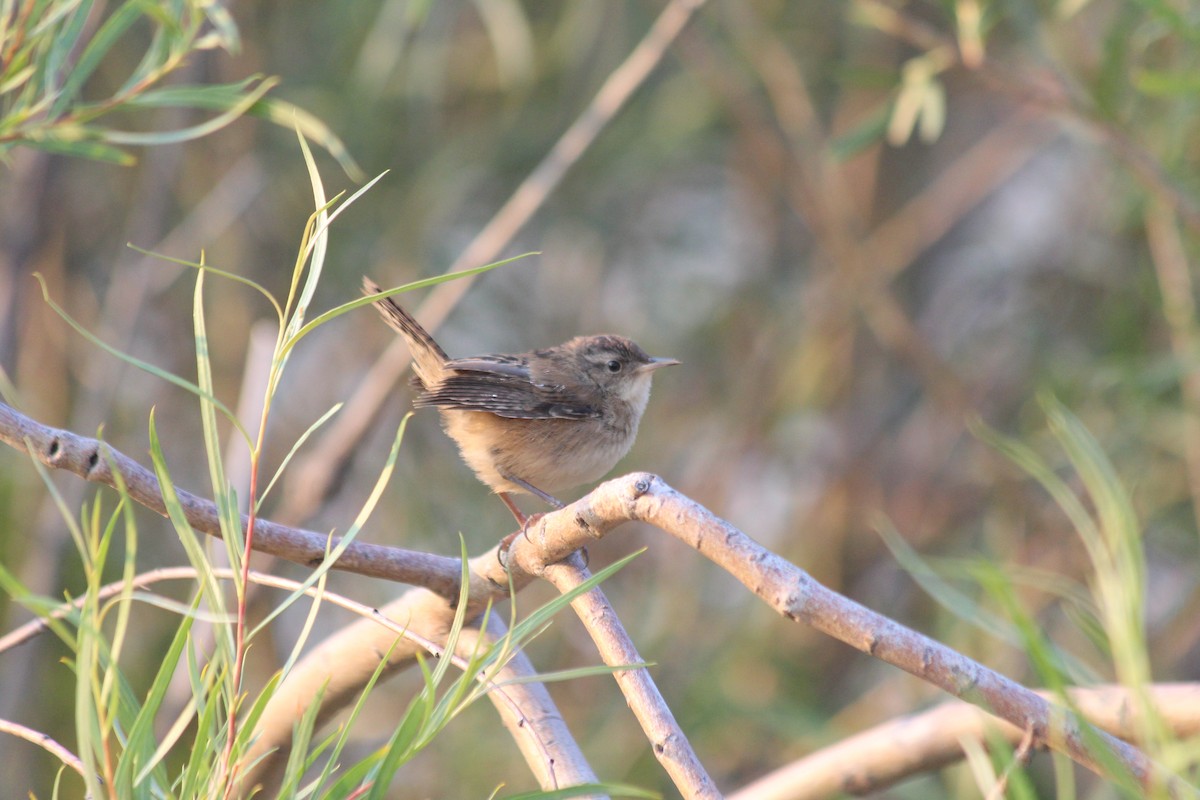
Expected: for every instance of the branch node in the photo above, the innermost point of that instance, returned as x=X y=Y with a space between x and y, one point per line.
x=582 y=523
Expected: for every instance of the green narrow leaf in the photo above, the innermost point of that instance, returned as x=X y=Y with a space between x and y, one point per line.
x=90 y=731
x=460 y=614
x=290 y=116
x=64 y=41
x=187 y=536
x=155 y=775
x=249 y=727
x=233 y=276
x=105 y=37
x=401 y=746
x=60 y=503
x=310 y=620
x=210 y=731
x=137 y=362
x=95 y=151
x=560 y=675
x=295 y=448
x=315 y=247
x=231 y=520
x=13 y=79
x=335 y=212
x=195 y=131
x=408 y=287
x=539 y=617
x=142 y=733
x=211 y=97
x=356 y=526
x=169 y=45
x=347 y=727
x=181 y=609
x=298 y=758
x=1024 y=457
x=43 y=607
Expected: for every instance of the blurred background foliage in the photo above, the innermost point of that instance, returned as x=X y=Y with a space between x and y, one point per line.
x=860 y=225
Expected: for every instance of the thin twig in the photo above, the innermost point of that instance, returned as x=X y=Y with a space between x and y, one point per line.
x=43 y=741
x=525 y=707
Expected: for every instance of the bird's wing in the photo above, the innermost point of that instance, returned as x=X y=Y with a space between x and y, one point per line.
x=516 y=366
x=504 y=386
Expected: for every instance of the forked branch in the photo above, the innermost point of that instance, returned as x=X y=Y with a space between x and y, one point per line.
x=639 y=496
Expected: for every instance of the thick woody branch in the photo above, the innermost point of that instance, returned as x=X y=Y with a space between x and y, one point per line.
x=96 y=461
x=796 y=595
x=342 y=664
x=638 y=496
x=530 y=715
x=882 y=756
x=667 y=740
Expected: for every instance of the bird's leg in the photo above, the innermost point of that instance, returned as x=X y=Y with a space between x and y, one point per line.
x=506 y=498
x=524 y=520
x=529 y=487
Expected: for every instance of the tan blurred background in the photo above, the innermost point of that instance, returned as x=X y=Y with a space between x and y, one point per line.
x=843 y=307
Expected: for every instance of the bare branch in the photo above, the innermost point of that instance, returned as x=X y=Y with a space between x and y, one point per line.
x=886 y=754
x=667 y=740
x=343 y=663
x=531 y=716
x=555 y=536
x=796 y=595
x=94 y=460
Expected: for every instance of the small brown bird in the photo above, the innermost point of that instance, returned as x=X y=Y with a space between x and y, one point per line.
x=535 y=422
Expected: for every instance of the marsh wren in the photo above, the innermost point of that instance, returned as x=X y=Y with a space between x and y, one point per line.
x=535 y=422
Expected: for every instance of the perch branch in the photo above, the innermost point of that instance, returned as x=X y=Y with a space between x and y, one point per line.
x=94 y=460
x=796 y=595
x=638 y=496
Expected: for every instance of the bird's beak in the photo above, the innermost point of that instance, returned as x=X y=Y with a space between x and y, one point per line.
x=655 y=363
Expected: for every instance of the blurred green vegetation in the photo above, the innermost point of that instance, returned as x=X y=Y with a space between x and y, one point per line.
x=861 y=226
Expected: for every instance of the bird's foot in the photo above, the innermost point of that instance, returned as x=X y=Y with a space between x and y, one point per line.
x=526 y=520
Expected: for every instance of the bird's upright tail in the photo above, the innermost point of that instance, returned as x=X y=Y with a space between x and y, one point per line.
x=429 y=358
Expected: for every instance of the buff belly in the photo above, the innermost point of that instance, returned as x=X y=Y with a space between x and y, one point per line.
x=550 y=454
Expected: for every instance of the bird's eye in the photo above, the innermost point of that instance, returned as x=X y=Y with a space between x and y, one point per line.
x=613 y=366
